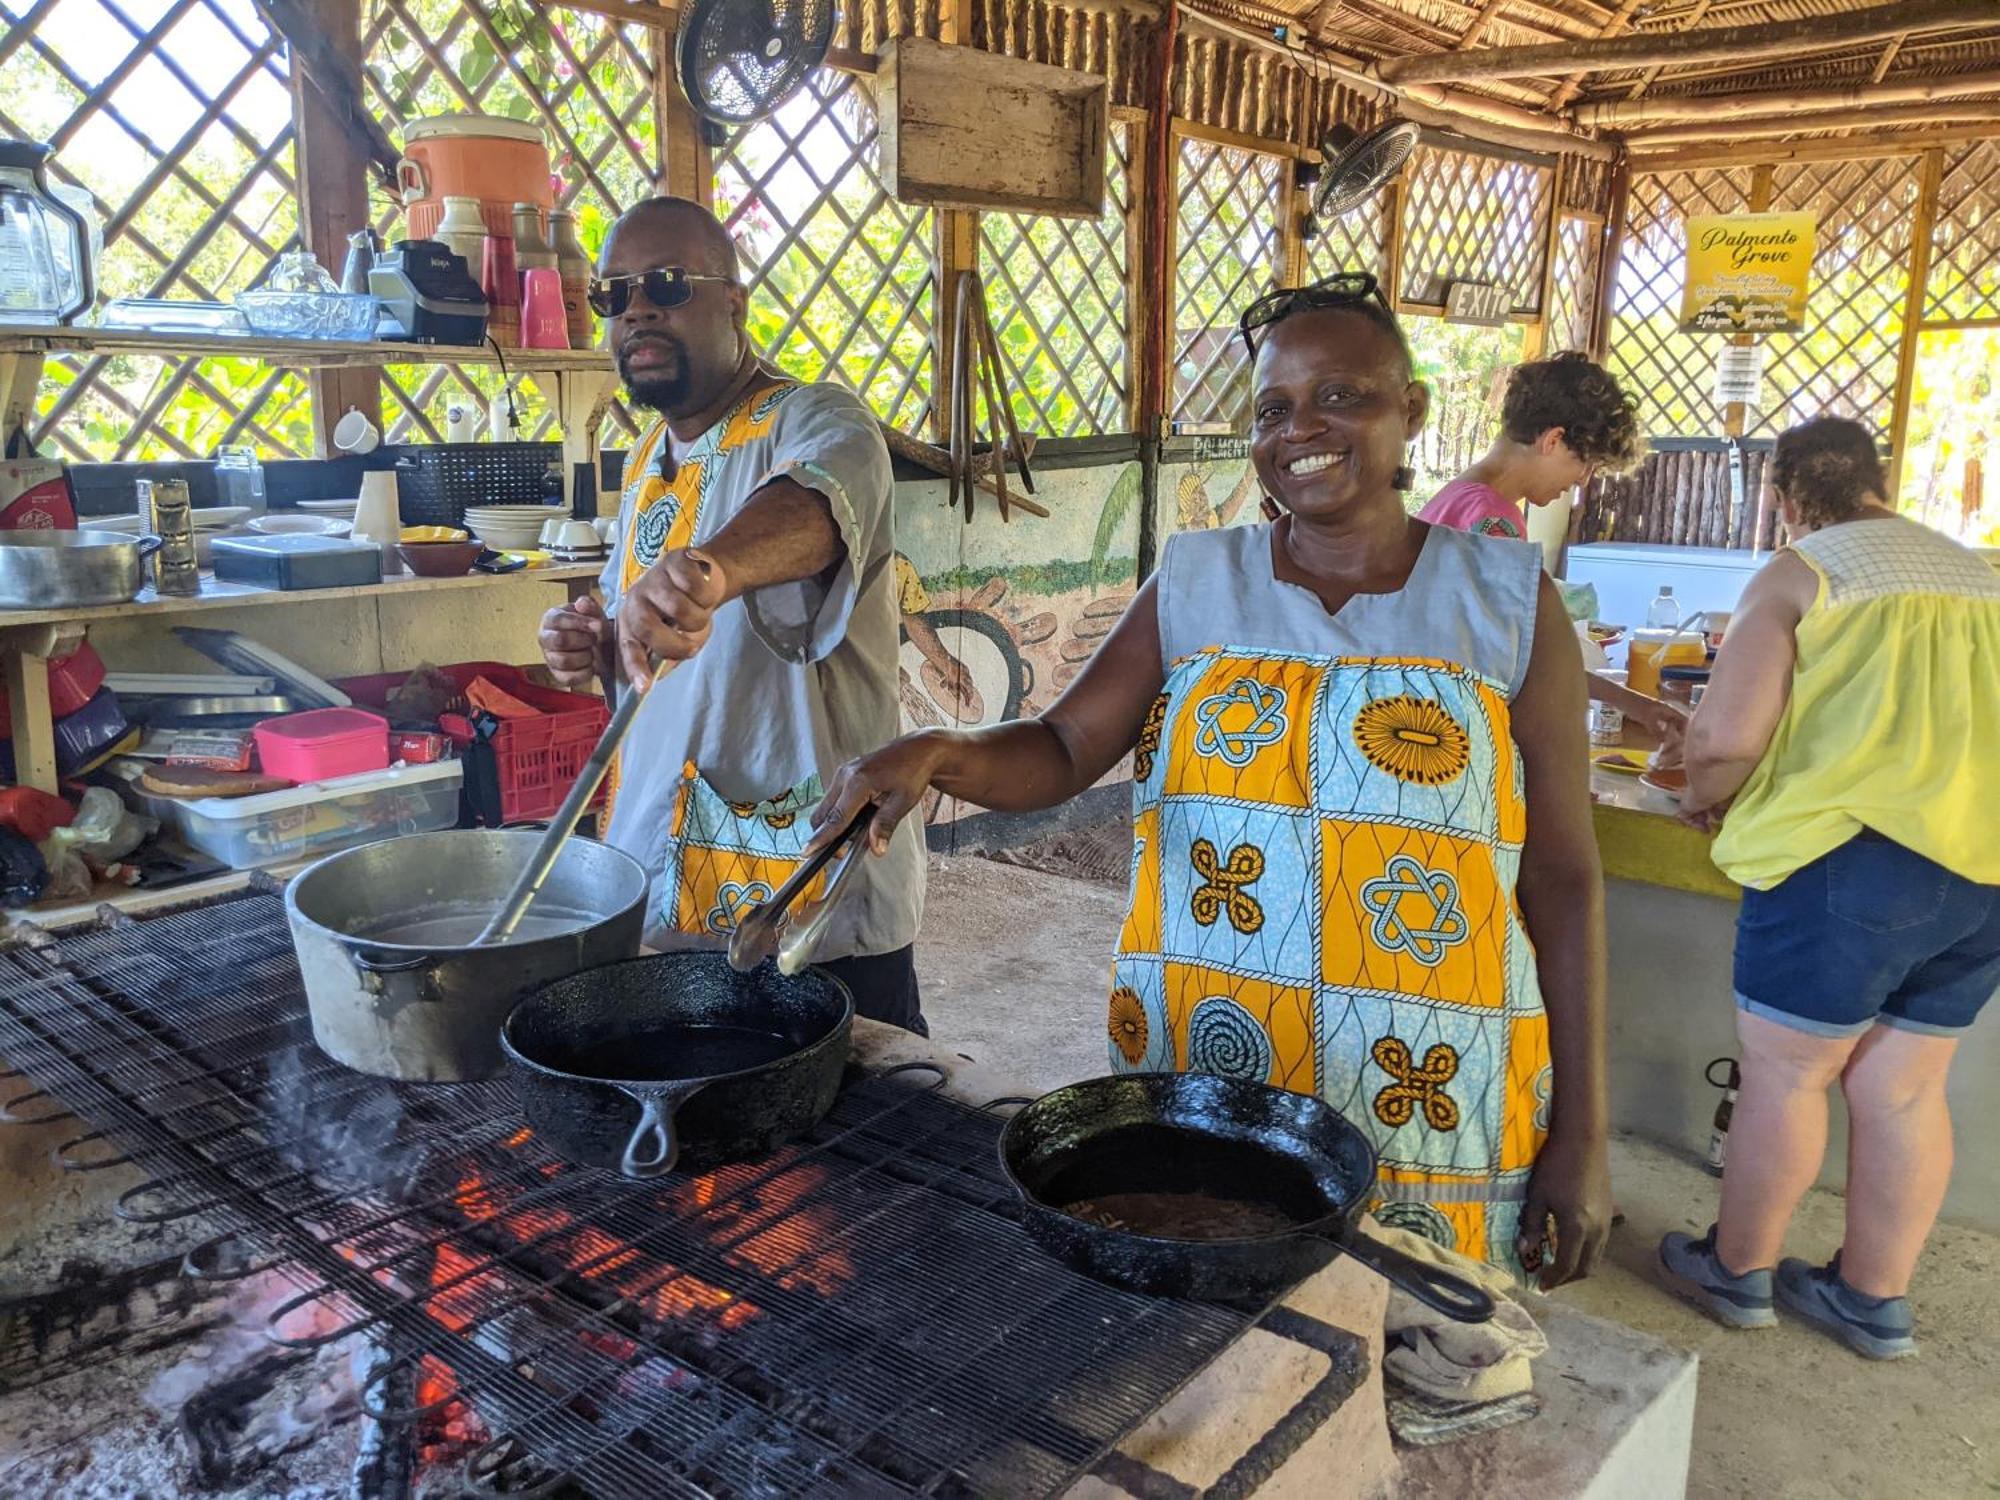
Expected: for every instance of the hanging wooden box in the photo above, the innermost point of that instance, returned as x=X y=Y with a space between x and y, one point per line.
x=963 y=128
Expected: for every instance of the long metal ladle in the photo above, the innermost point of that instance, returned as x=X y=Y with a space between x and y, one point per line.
x=771 y=928
x=531 y=879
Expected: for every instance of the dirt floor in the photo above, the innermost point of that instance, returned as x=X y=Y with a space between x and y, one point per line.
x=1013 y=964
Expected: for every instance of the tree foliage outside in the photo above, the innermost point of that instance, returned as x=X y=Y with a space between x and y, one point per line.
x=1954 y=419
x=1466 y=367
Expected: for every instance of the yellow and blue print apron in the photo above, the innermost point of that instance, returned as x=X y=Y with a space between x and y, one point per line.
x=725 y=857
x=662 y=515
x=1324 y=862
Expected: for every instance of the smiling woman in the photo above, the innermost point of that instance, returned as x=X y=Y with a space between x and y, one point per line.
x=1343 y=716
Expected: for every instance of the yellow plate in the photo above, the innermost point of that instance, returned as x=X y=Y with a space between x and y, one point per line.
x=1620 y=761
x=433 y=534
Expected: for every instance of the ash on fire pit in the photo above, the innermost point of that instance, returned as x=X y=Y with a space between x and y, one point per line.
x=857 y=1314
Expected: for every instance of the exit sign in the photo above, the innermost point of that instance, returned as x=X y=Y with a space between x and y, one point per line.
x=1477 y=302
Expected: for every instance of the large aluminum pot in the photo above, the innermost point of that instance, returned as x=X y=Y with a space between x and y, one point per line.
x=72 y=569
x=384 y=941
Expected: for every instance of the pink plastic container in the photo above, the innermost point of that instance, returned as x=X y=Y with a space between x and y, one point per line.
x=323 y=743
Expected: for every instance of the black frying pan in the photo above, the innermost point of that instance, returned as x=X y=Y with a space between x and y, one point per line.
x=1288 y=1166
x=631 y=1064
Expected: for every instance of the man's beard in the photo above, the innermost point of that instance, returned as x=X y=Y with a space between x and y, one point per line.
x=662 y=393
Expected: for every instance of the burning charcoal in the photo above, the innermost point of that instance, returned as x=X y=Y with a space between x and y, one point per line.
x=385 y=1460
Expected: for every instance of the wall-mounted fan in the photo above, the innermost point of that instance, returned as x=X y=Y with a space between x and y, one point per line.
x=1355 y=167
x=739 y=59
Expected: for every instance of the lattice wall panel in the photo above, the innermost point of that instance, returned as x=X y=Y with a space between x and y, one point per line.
x=1355 y=241
x=1670 y=373
x=840 y=273
x=584 y=79
x=1056 y=292
x=1574 y=283
x=1226 y=255
x=1964 y=277
x=1845 y=361
x=1468 y=217
x=176 y=120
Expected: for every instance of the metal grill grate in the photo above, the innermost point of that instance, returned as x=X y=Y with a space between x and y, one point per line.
x=857 y=1314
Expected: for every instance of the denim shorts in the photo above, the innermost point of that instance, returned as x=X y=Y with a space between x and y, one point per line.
x=1871 y=932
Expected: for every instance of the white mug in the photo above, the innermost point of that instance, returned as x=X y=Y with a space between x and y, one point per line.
x=355 y=434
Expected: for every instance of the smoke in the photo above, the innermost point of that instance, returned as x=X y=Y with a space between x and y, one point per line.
x=343 y=1128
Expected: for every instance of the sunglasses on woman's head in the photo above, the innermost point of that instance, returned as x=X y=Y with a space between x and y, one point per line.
x=665 y=286
x=1343 y=289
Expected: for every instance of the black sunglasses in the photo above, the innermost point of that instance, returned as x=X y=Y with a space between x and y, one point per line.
x=1342 y=289
x=665 y=286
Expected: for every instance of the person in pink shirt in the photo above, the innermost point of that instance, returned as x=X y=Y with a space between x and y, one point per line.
x=1561 y=421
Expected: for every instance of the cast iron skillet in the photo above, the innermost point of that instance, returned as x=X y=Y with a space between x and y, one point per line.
x=677 y=1059
x=1221 y=1137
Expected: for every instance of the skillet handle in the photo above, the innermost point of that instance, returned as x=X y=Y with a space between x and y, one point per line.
x=655 y=1129
x=1438 y=1289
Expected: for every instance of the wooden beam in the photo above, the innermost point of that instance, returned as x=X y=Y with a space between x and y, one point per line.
x=1852 y=147
x=1928 y=182
x=333 y=203
x=1712 y=43
x=1476 y=32
x=1622 y=114
x=1620 y=21
x=1652 y=73
x=1156 y=250
x=1392 y=242
x=1609 y=252
x=1752 y=127
x=1736 y=414
x=336 y=77
x=688 y=159
x=1536 y=343
x=1501 y=124
x=1888 y=57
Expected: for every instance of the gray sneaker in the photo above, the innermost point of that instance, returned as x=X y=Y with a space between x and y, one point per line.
x=1690 y=1268
x=1873 y=1327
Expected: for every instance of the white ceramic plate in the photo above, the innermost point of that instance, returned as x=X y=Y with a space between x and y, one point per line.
x=331 y=507
x=282 y=525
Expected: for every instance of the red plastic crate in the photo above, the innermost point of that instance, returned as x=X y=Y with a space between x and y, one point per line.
x=538 y=759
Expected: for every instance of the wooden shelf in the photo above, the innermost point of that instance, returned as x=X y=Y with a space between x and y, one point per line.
x=220 y=594
x=302 y=354
x=54 y=916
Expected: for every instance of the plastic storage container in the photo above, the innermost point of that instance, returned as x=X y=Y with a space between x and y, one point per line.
x=295 y=561
x=536 y=760
x=323 y=743
x=244 y=832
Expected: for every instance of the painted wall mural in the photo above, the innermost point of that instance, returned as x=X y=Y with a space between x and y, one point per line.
x=999 y=617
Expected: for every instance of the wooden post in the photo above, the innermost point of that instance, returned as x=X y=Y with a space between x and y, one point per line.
x=333 y=203
x=1611 y=250
x=1930 y=178
x=1293 y=206
x=1736 y=415
x=1139 y=288
x=1392 y=243
x=1535 y=341
x=954 y=249
x=24 y=668
x=689 y=161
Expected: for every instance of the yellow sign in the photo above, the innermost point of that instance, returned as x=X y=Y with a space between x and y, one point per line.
x=1747 y=273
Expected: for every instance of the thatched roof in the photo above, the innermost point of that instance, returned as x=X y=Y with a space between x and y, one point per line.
x=1878 y=64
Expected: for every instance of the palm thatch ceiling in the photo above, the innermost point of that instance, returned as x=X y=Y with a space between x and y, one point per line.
x=1663 y=70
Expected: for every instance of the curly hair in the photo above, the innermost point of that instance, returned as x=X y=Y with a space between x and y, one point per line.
x=1829 y=469
x=1599 y=422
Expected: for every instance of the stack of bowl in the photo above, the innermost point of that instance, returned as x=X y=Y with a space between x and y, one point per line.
x=508 y=528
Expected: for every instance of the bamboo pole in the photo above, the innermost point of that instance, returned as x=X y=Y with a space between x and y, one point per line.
x=1709 y=44
x=1610 y=250
x=1930 y=177
x=1621 y=114
x=1753 y=151
x=1984 y=112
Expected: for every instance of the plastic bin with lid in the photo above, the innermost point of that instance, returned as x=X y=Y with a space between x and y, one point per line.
x=317 y=818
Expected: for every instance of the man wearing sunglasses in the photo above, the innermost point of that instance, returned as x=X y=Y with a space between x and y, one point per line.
x=755 y=554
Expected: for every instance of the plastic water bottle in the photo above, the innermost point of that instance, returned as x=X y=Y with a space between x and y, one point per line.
x=1664 y=613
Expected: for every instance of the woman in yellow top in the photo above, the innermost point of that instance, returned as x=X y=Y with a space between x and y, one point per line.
x=1339 y=722
x=1849 y=745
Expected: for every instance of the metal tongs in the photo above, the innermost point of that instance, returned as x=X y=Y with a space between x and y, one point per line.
x=771 y=929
